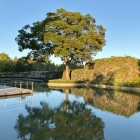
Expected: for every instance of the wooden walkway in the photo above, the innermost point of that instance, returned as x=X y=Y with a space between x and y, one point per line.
x=7 y=91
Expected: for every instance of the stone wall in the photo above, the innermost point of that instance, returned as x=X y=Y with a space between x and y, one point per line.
x=45 y=74
x=108 y=70
x=39 y=74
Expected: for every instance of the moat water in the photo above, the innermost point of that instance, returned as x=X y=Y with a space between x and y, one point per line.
x=70 y=113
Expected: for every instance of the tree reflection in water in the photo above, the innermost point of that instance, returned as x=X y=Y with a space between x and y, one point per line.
x=70 y=120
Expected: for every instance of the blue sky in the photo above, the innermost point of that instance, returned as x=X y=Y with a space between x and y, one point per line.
x=121 y=19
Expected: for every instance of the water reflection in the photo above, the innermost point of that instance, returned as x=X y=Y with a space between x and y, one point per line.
x=65 y=114
x=69 y=120
x=23 y=99
x=117 y=102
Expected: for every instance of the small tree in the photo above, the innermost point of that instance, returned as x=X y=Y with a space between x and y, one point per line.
x=4 y=57
x=69 y=35
x=22 y=65
x=15 y=59
x=6 y=64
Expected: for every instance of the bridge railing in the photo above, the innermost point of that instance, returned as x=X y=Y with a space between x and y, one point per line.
x=18 y=83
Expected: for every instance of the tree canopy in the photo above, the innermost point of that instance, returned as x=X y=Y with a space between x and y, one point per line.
x=4 y=57
x=75 y=37
x=31 y=37
x=69 y=35
x=6 y=64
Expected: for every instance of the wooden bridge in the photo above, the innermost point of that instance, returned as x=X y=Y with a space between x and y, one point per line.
x=8 y=89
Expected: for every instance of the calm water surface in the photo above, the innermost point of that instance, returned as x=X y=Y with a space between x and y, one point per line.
x=76 y=113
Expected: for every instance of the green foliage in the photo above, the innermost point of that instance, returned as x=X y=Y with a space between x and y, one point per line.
x=119 y=69
x=6 y=65
x=61 y=67
x=63 y=81
x=22 y=65
x=4 y=57
x=72 y=66
x=75 y=37
x=69 y=35
x=135 y=83
x=31 y=37
x=108 y=71
x=40 y=66
x=15 y=59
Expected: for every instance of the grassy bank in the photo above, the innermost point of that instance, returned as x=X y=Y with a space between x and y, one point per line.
x=135 y=83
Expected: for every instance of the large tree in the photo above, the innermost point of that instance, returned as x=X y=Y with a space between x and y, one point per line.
x=69 y=35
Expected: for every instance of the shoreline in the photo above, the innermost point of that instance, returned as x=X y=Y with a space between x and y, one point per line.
x=91 y=85
x=51 y=84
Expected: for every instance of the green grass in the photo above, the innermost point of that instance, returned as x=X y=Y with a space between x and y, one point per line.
x=63 y=81
x=135 y=83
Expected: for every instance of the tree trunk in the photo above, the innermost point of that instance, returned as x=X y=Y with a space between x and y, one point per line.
x=67 y=62
x=67 y=71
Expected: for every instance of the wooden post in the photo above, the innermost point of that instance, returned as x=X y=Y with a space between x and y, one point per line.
x=32 y=85
x=27 y=85
x=15 y=83
x=21 y=84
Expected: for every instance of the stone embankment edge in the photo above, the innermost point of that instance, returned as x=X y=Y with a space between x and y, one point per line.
x=91 y=85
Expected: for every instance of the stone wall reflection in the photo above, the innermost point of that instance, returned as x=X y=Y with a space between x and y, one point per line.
x=117 y=102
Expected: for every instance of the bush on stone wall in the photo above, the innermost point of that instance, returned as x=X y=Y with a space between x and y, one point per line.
x=108 y=70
